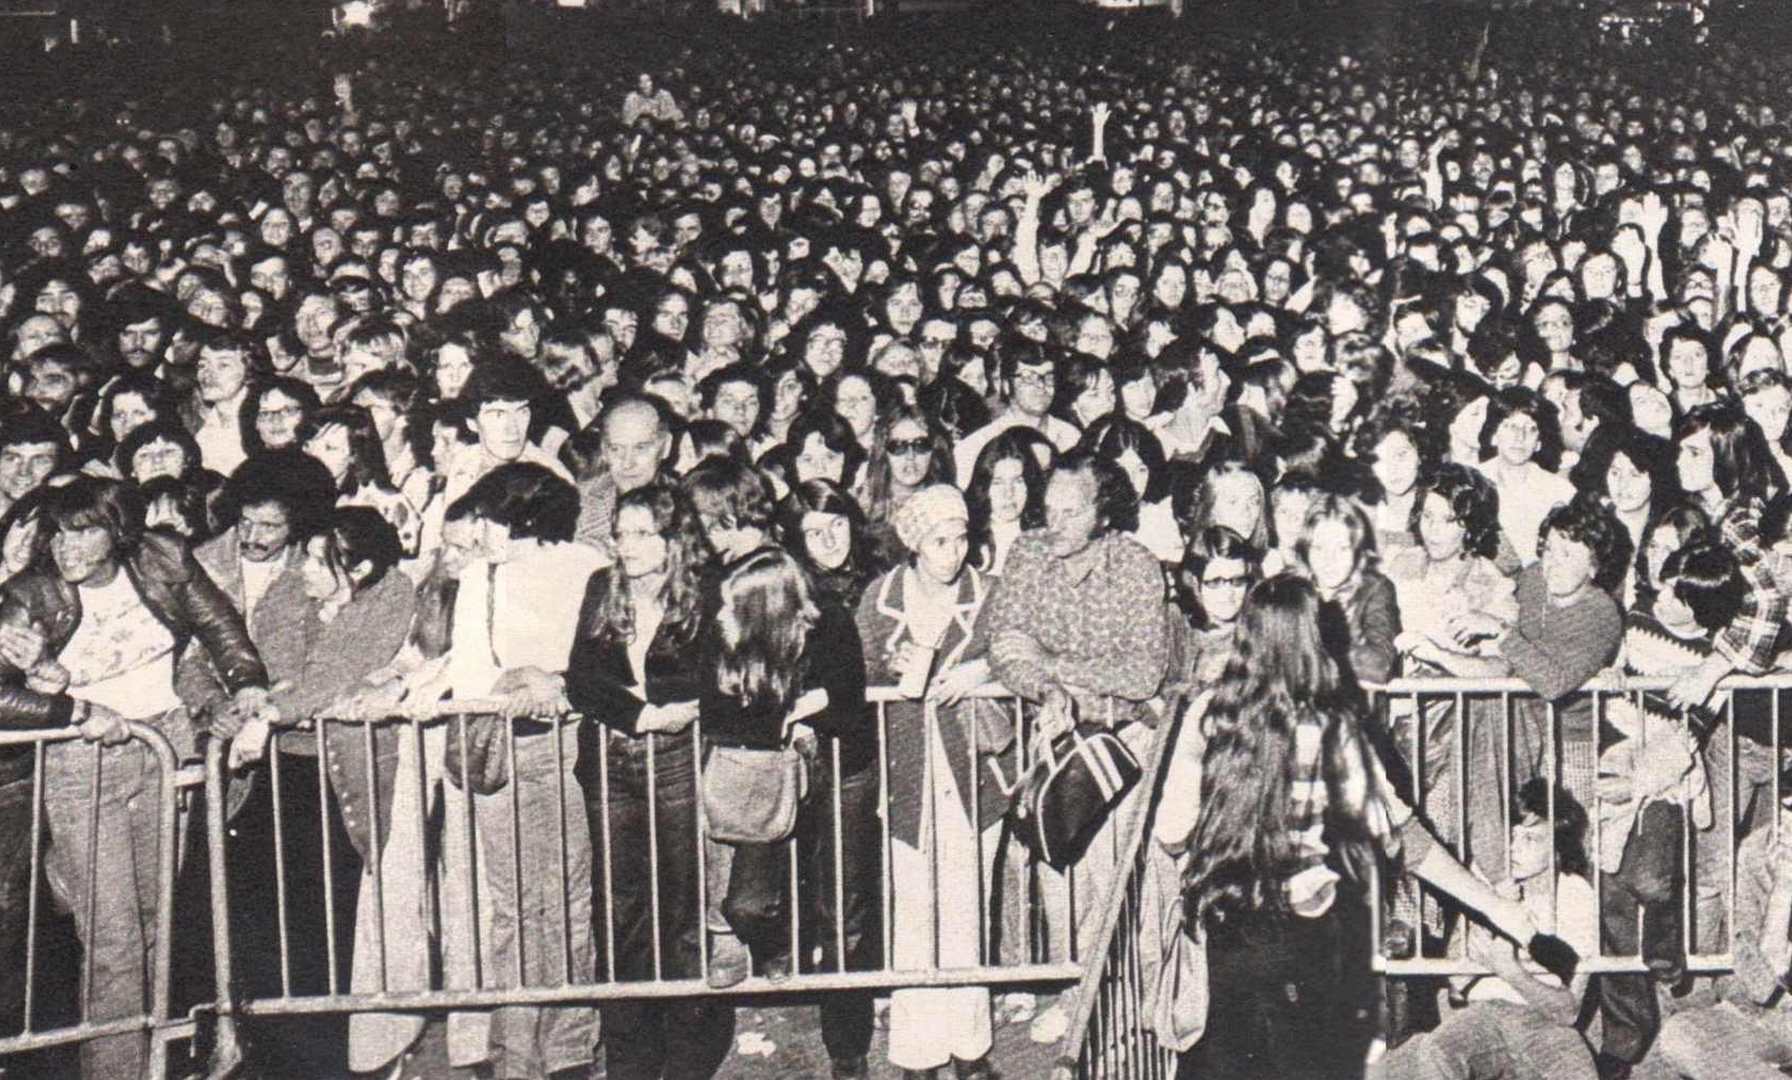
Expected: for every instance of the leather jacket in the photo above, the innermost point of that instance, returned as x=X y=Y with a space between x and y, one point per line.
x=175 y=589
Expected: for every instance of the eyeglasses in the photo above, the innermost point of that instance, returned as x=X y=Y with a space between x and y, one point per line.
x=1237 y=581
x=1033 y=378
x=916 y=447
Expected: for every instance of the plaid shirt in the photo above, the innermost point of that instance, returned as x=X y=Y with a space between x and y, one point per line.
x=1750 y=642
x=1368 y=796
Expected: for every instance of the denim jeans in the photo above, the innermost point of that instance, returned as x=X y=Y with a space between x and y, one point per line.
x=650 y=1039
x=758 y=901
x=110 y=863
x=1650 y=879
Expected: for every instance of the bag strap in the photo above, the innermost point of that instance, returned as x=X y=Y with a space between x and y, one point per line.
x=998 y=878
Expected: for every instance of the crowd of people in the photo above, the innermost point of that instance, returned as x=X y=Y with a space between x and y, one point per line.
x=1167 y=381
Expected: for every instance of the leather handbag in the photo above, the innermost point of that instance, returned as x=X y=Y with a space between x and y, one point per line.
x=1065 y=796
x=751 y=796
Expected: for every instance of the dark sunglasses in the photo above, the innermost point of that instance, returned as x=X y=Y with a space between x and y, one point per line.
x=917 y=447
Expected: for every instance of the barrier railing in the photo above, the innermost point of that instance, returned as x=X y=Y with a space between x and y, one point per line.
x=1111 y=1036
x=77 y=840
x=1467 y=746
x=579 y=869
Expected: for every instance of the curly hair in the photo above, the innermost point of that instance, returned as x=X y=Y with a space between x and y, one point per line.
x=1590 y=522
x=1473 y=501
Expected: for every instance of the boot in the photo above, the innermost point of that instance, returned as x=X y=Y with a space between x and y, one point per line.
x=852 y=1069
x=919 y=1074
x=972 y=1070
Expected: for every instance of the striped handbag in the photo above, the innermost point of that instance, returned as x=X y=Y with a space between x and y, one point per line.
x=1063 y=798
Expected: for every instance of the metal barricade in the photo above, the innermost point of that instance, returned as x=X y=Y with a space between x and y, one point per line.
x=1568 y=743
x=485 y=901
x=1111 y=1038
x=56 y=840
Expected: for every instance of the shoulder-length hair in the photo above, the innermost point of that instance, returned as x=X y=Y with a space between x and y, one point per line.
x=1473 y=501
x=687 y=551
x=879 y=482
x=1193 y=503
x=1328 y=506
x=1279 y=678
x=1113 y=435
x=1515 y=400
x=826 y=497
x=766 y=612
x=88 y=502
x=353 y=535
x=1589 y=521
x=1741 y=463
x=1213 y=542
x=526 y=498
x=366 y=454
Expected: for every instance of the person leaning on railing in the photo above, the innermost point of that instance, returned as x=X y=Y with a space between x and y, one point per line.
x=778 y=662
x=634 y=674
x=359 y=609
x=918 y=625
x=1079 y=616
x=1293 y=800
x=88 y=636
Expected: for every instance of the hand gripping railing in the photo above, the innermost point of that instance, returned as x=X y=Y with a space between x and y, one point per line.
x=543 y=855
x=79 y=830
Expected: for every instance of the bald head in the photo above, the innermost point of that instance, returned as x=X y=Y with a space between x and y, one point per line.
x=635 y=443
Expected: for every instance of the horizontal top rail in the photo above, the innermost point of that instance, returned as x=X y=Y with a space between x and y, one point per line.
x=1606 y=682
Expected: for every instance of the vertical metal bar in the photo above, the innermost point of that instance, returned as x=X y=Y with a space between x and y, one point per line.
x=216 y=860
x=1730 y=828
x=37 y=860
x=559 y=733
x=375 y=848
x=275 y=794
x=167 y=830
x=516 y=847
x=976 y=777
x=653 y=849
x=1418 y=766
x=702 y=854
x=1507 y=767
x=431 y=908
x=883 y=824
x=472 y=860
x=91 y=945
x=603 y=790
x=1461 y=729
x=839 y=866
x=930 y=842
x=323 y=822
x=793 y=856
x=1553 y=772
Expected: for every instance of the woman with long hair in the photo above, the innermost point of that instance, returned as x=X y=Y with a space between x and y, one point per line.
x=1294 y=809
x=634 y=673
x=1006 y=495
x=823 y=527
x=784 y=666
x=346 y=440
x=908 y=453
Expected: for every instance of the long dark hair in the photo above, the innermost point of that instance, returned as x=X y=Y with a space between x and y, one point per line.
x=687 y=552
x=1279 y=677
x=762 y=629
